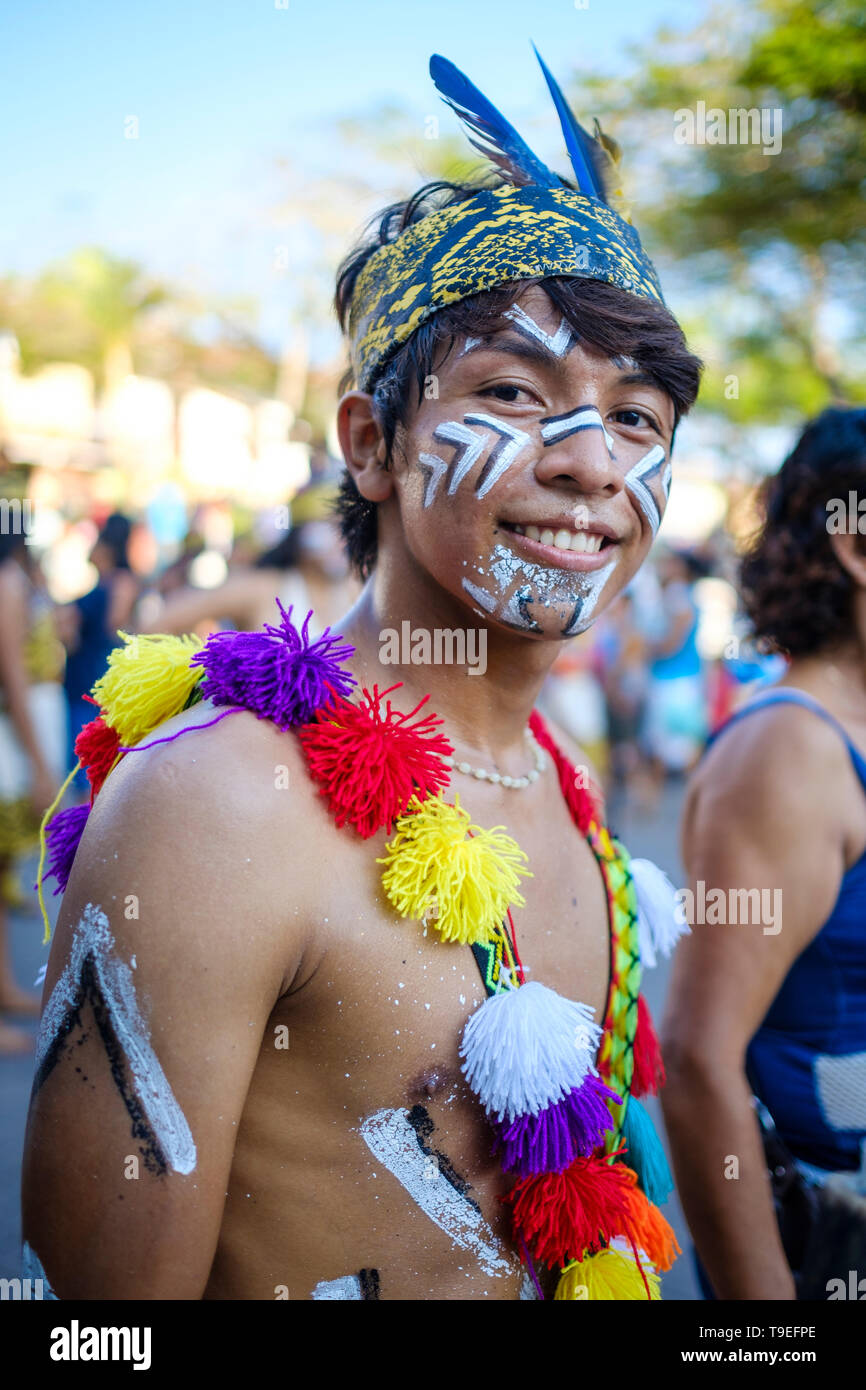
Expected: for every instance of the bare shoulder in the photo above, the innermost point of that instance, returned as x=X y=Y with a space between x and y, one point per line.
x=202 y=830
x=777 y=768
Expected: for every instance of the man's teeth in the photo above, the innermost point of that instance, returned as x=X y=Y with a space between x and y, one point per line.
x=586 y=542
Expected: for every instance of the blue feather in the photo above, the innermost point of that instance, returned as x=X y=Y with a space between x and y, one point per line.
x=501 y=142
x=586 y=157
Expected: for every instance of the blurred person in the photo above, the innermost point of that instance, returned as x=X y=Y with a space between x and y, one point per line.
x=676 y=712
x=776 y=1006
x=625 y=680
x=88 y=626
x=304 y=1126
x=32 y=732
x=306 y=569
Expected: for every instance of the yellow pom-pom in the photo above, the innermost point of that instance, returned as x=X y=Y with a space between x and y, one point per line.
x=450 y=873
x=148 y=680
x=610 y=1274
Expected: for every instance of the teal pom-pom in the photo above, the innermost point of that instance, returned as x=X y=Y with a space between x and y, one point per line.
x=644 y=1153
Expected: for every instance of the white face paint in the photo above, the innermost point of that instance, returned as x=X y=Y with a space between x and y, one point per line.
x=93 y=944
x=347 y=1287
x=523 y=584
x=652 y=465
x=585 y=417
x=468 y=445
x=393 y=1142
x=559 y=343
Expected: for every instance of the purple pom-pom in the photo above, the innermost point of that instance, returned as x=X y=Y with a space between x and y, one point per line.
x=62 y=837
x=549 y=1141
x=278 y=672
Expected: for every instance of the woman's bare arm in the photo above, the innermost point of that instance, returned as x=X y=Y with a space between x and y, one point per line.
x=764 y=812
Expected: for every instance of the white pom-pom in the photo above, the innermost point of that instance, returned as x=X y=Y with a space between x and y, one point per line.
x=661 y=920
x=526 y=1048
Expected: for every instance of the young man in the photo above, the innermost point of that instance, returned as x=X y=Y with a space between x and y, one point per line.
x=296 y=1086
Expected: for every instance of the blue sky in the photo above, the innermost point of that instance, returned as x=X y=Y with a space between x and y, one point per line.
x=225 y=90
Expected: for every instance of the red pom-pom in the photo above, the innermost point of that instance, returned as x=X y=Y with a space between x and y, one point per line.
x=578 y=796
x=561 y=1215
x=649 y=1069
x=370 y=764
x=96 y=749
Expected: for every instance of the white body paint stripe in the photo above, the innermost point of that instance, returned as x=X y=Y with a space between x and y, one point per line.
x=487 y=601
x=347 y=1287
x=167 y=1120
x=393 y=1142
x=453 y=432
x=437 y=467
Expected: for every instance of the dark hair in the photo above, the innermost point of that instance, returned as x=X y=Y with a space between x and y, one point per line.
x=115 y=537
x=608 y=318
x=795 y=591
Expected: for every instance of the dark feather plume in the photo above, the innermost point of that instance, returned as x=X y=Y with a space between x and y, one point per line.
x=499 y=141
x=588 y=158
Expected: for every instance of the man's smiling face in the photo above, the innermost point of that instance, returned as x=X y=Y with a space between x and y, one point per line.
x=532 y=487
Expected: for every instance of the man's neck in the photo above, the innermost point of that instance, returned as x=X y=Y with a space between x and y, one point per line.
x=485 y=702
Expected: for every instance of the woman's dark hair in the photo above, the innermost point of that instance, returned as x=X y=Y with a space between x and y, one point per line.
x=608 y=318
x=795 y=591
x=115 y=537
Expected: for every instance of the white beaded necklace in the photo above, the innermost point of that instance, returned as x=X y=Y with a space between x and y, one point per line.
x=515 y=783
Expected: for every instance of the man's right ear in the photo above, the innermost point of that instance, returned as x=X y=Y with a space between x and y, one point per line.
x=363 y=446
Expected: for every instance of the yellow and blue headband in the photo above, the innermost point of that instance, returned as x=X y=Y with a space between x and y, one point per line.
x=530 y=227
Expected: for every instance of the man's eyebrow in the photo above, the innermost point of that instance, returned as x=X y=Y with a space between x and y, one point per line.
x=515 y=345
x=639 y=379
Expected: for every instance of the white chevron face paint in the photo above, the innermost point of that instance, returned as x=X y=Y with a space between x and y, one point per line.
x=467 y=439
x=394 y=1143
x=94 y=974
x=521 y=587
x=555 y=428
x=638 y=478
x=559 y=343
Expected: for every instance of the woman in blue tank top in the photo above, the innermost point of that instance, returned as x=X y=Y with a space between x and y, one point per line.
x=768 y=997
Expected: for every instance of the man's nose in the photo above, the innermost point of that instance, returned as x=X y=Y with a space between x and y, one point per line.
x=578 y=447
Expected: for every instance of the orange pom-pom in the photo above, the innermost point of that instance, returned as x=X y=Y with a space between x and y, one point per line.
x=369 y=765
x=649 y=1229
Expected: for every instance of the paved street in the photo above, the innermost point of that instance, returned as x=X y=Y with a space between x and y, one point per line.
x=651 y=837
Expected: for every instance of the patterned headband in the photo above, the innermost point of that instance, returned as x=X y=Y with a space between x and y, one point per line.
x=530 y=227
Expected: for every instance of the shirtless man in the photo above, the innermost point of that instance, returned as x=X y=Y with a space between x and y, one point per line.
x=303 y=1039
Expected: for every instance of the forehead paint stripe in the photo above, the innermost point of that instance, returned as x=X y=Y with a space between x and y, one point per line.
x=636 y=480
x=555 y=428
x=469 y=345
x=502 y=455
x=559 y=343
x=92 y=946
x=467 y=447
x=393 y=1142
